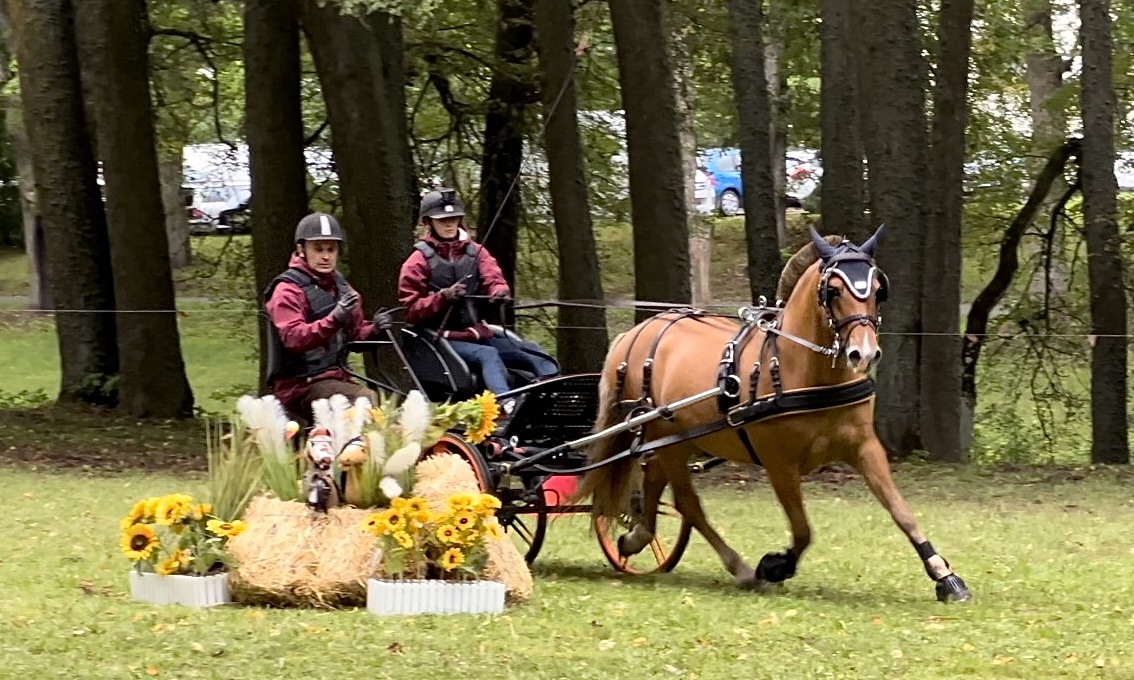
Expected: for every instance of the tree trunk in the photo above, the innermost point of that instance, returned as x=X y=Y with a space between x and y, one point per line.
x=657 y=197
x=892 y=77
x=754 y=118
x=1109 y=443
x=173 y=205
x=359 y=60
x=74 y=226
x=581 y=338
x=942 y=416
x=842 y=196
x=501 y=207
x=113 y=38
x=274 y=127
x=778 y=97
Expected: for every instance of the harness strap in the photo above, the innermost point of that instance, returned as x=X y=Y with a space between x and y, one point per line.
x=648 y=364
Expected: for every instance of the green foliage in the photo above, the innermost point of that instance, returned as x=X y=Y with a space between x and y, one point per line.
x=24 y=398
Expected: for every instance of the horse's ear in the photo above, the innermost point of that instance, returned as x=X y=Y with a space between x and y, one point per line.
x=825 y=250
x=872 y=242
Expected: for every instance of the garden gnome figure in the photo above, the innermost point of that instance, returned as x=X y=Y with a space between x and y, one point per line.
x=319 y=486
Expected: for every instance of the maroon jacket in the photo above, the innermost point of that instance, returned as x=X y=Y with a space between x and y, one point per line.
x=422 y=304
x=287 y=309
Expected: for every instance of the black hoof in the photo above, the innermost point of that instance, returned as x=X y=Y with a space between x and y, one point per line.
x=953 y=589
x=623 y=551
x=776 y=567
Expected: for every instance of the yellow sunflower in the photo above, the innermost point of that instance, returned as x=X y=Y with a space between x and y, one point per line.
x=138 y=542
x=448 y=533
x=139 y=513
x=173 y=508
x=202 y=510
x=452 y=559
x=174 y=563
x=465 y=520
x=416 y=504
x=493 y=531
x=386 y=522
x=461 y=501
x=400 y=504
x=403 y=539
x=486 y=504
x=486 y=422
x=229 y=529
x=421 y=518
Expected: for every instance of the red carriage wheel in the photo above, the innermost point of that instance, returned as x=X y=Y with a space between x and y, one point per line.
x=526 y=524
x=661 y=554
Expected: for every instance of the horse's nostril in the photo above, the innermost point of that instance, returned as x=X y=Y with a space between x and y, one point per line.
x=877 y=356
x=855 y=356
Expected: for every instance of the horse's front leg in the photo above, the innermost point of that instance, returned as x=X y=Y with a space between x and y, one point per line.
x=785 y=480
x=874 y=467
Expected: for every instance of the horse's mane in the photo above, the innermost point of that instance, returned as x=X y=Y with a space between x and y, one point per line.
x=793 y=270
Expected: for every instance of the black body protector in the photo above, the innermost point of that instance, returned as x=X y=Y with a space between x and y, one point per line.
x=444 y=273
x=320 y=303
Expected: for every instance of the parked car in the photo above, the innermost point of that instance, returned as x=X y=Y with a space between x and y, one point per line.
x=723 y=169
x=703 y=194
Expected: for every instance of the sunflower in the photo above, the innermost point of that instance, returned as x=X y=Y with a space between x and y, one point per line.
x=174 y=563
x=416 y=505
x=493 y=531
x=173 y=508
x=138 y=542
x=386 y=522
x=465 y=520
x=403 y=539
x=201 y=511
x=138 y=513
x=400 y=504
x=486 y=422
x=229 y=529
x=486 y=504
x=461 y=501
x=452 y=559
x=448 y=533
x=421 y=518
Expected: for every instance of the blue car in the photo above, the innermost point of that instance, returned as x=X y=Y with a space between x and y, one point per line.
x=723 y=169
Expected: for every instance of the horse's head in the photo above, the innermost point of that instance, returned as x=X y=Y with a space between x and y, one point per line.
x=320 y=448
x=851 y=289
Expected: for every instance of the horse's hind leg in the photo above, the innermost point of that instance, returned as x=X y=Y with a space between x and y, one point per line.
x=644 y=529
x=874 y=467
x=689 y=505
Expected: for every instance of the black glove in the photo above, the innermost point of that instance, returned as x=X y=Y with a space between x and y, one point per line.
x=383 y=320
x=344 y=308
x=454 y=292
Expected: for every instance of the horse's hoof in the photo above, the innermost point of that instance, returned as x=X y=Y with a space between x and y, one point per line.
x=776 y=567
x=953 y=589
x=624 y=547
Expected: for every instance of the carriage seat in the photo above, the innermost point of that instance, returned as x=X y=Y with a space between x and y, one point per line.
x=441 y=371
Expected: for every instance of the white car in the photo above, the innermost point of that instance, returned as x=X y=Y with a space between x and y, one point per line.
x=703 y=193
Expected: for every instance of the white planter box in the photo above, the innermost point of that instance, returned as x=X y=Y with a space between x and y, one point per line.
x=386 y=598
x=192 y=591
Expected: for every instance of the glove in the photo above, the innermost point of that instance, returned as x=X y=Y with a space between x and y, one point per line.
x=454 y=292
x=344 y=308
x=383 y=320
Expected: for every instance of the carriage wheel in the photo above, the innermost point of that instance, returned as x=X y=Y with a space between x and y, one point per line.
x=528 y=528
x=662 y=553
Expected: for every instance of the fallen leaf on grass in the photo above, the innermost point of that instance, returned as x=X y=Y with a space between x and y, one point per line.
x=605 y=645
x=394 y=648
x=152 y=670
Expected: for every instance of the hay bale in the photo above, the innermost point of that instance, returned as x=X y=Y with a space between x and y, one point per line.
x=438 y=477
x=292 y=556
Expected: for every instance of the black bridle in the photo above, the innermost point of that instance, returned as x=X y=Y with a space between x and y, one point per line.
x=858 y=272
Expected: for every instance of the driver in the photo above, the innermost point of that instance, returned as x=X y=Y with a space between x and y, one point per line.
x=314 y=313
x=446 y=267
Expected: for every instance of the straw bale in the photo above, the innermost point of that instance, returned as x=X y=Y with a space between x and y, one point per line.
x=438 y=477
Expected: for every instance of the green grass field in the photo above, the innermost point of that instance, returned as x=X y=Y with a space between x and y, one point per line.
x=1047 y=557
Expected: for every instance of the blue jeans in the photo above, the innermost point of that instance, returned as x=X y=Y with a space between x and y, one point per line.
x=492 y=357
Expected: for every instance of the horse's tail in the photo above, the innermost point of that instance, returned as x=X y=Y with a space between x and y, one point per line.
x=609 y=485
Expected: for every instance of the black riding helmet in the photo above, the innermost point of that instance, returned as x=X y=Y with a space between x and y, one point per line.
x=441 y=203
x=319 y=226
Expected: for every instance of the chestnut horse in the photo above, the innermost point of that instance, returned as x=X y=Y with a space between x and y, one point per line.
x=825 y=339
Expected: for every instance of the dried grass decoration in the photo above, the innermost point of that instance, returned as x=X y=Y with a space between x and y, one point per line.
x=290 y=555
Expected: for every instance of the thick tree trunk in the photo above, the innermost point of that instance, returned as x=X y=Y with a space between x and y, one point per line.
x=1109 y=442
x=842 y=197
x=700 y=228
x=779 y=98
x=74 y=226
x=501 y=207
x=113 y=38
x=754 y=117
x=581 y=338
x=359 y=60
x=942 y=416
x=892 y=76
x=657 y=199
x=173 y=206
x=274 y=127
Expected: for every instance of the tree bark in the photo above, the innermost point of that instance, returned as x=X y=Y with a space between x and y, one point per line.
x=774 y=47
x=842 y=197
x=942 y=417
x=892 y=77
x=274 y=128
x=362 y=74
x=1109 y=443
x=657 y=198
x=581 y=338
x=173 y=205
x=501 y=206
x=113 y=38
x=74 y=226
x=754 y=118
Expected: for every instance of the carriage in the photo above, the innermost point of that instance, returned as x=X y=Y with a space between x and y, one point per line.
x=688 y=411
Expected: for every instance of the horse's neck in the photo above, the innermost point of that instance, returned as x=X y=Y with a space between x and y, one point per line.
x=802 y=366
